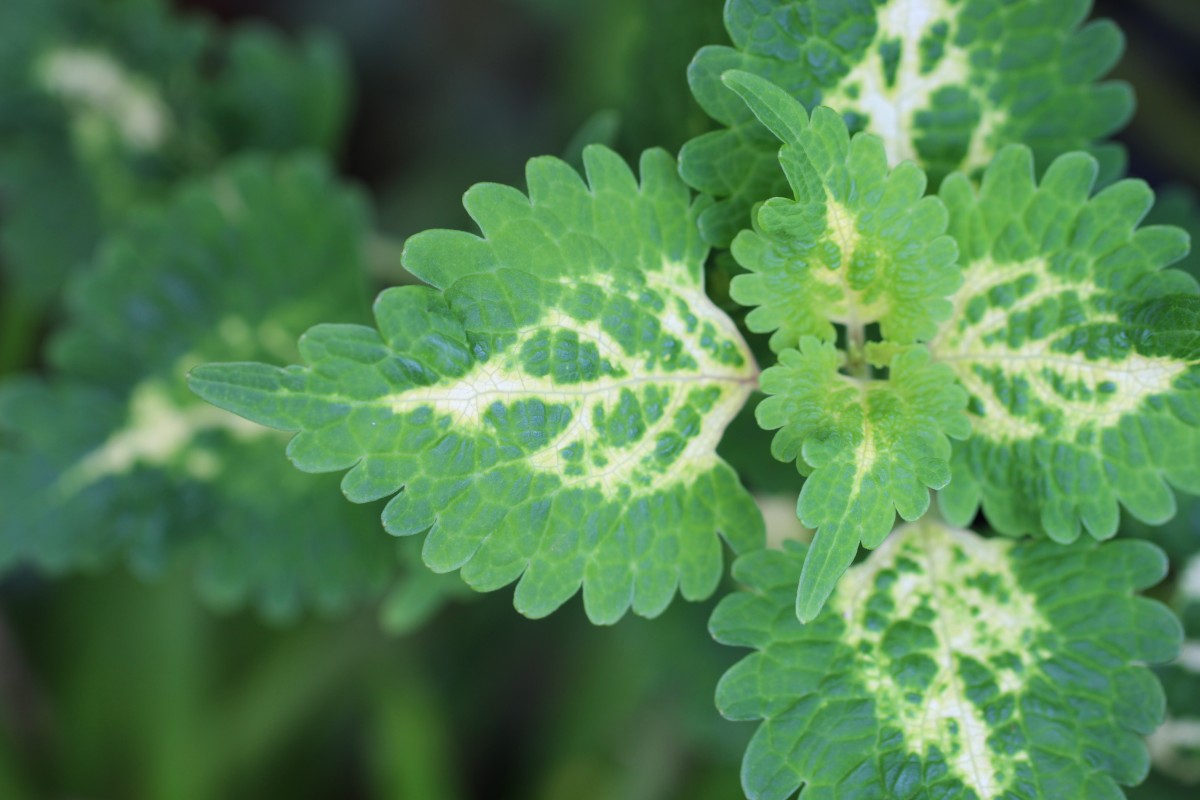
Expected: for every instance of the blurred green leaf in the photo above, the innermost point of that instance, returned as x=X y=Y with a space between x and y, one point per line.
x=112 y=459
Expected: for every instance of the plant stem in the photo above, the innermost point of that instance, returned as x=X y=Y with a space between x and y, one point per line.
x=856 y=357
x=176 y=642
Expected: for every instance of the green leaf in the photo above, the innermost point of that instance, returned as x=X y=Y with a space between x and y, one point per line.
x=84 y=129
x=105 y=106
x=950 y=666
x=278 y=95
x=550 y=409
x=944 y=83
x=113 y=459
x=1175 y=746
x=859 y=245
x=1178 y=205
x=871 y=449
x=1080 y=353
x=417 y=594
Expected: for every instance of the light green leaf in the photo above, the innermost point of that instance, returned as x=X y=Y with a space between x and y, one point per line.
x=944 y=83
x=550 y=409
x=871 y=449
x=860 y=244
x=1080 y=353
x=950 y=666
x=112 y=459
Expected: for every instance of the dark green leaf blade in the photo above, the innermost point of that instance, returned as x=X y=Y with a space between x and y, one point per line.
x=112 y=460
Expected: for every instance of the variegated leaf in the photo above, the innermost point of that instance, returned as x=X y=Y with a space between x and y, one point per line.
x=950 y=666
x=871 y=449
x=859 y=244
x=549 y=410
x=944 y=83
x=1080 y=353
x=111 y=459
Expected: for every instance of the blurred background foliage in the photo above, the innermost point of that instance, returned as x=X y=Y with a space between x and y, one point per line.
x=119 y=683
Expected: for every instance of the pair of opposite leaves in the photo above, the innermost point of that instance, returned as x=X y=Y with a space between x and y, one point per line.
x=549 y=406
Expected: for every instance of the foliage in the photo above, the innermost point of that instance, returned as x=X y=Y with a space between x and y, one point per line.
x=549 y=406
x=945 y=84
x=257 y=253
x=965 y=666
x=908 y=212
x=104 y=106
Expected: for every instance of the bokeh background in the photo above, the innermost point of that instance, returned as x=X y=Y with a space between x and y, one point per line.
x=116 y=687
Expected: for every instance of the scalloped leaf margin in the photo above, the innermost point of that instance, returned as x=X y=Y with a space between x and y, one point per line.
x=952 y=666
x=549 y=408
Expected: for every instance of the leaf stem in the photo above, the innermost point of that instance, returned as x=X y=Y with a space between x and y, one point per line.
x=856 y=356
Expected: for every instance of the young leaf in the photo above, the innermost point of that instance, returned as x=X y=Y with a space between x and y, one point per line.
x=944 y=83
x=114 y=460
x=550 y=409
x=860 y=244
x=950 y=666
x=870 y=449
x=1080 y=353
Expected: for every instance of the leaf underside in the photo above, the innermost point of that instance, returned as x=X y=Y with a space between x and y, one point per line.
x=945 y=83
x=548 y=409
x=950 y=666
x=1080 y=353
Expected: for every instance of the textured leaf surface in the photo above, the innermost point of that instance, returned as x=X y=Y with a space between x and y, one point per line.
x=860 y=244
x=1080 y=353
x=944 y=83
x=113 y=459
x=950 y=666
x=871 y=449
x=550 y=407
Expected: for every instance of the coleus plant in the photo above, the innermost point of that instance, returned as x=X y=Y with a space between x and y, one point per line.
x=107 y=106
x=959 y=298
x=107 y=115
